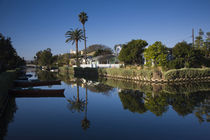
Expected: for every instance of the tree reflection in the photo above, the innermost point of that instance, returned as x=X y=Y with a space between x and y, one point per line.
x=7 y=116
x=46 y=75
x=132 y=100
x=157 y=104
x=184 y=104
x=85 y=121
x=76 y=104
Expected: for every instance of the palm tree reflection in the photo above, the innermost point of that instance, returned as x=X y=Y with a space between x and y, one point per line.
x=79 y=105
x=85 y=121
x=76 y=104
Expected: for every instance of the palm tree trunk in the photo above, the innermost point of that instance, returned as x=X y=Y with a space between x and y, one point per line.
x=85 y=43
x=77 y=61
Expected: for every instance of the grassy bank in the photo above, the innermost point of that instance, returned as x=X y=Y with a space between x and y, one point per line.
x=184 y=74
x=187 y=73
x=126 y=73
x=152 y=75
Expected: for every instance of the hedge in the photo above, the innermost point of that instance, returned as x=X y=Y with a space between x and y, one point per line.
x=126 y=73
x=187 y=73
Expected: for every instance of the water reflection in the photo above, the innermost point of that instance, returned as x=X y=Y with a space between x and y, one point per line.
x=85 y=121
x=184 y=99
x=184 y=104
x=7 y=116
x=46 y=75
x=75 y=103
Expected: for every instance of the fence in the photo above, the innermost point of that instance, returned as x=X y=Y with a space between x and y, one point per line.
x=100 y=65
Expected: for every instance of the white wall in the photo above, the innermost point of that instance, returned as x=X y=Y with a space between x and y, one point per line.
x=100 y=65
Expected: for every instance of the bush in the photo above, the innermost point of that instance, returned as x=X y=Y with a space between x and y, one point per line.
x=187 y=73
x=122 y=72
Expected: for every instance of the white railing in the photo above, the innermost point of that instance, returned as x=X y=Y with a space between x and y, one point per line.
x=99 y=65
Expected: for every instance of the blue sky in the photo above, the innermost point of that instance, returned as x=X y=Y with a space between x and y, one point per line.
x=35 y=25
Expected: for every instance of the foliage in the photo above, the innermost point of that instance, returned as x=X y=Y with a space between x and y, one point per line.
x=6 y=81
x=126 y=73
x=186 y=56
x=75 y=36
x=157 y=105
x=9 y=58
x=156 y=54
x=84 y=18
x=46 y=75
x=44 y=58
x=96 y=47
x=187 y=73
x=202 y=43
x=133 y=100
x=103 y=52
x=131 y=52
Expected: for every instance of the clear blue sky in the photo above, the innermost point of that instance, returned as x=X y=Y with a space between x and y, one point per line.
x=35 y=25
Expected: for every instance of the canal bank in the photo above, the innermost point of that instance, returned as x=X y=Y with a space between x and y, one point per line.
x=145 y=75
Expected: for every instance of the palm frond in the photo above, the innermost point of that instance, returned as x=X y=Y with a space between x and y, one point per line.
x=83 y=17
x=74 y=35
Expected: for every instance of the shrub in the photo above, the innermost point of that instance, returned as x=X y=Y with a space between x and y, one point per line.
x=187 y=73
x=122 y=72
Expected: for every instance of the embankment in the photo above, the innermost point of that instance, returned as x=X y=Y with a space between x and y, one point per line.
x=145 y=75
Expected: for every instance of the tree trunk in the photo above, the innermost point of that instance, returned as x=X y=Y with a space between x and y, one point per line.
x=77 y=61
x=85 y=43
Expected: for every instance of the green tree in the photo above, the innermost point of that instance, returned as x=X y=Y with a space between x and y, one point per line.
x=102 y=52
x=156 y=54
x=44 y=58
x=131 y=52
x=9 y=58
x=83 y=18
x=75 y=36
x=199 y=42
x=185 y=56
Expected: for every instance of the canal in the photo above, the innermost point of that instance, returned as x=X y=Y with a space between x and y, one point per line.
x=109 y=109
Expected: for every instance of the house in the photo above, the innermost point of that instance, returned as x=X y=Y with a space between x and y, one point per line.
x=117 y=49
x=72 y=52
x=105 y=59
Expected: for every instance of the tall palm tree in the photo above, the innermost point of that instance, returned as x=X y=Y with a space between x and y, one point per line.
x=75 y=36
x=84 y=18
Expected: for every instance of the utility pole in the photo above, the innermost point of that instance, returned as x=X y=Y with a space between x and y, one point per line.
x=193 y=37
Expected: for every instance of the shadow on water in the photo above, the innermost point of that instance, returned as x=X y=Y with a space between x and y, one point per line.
x=7 y=116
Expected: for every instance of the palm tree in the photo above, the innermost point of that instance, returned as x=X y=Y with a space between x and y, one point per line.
x=83 y=18
x=75 y=36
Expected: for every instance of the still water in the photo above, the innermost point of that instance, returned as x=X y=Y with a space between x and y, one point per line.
x=110 y=109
